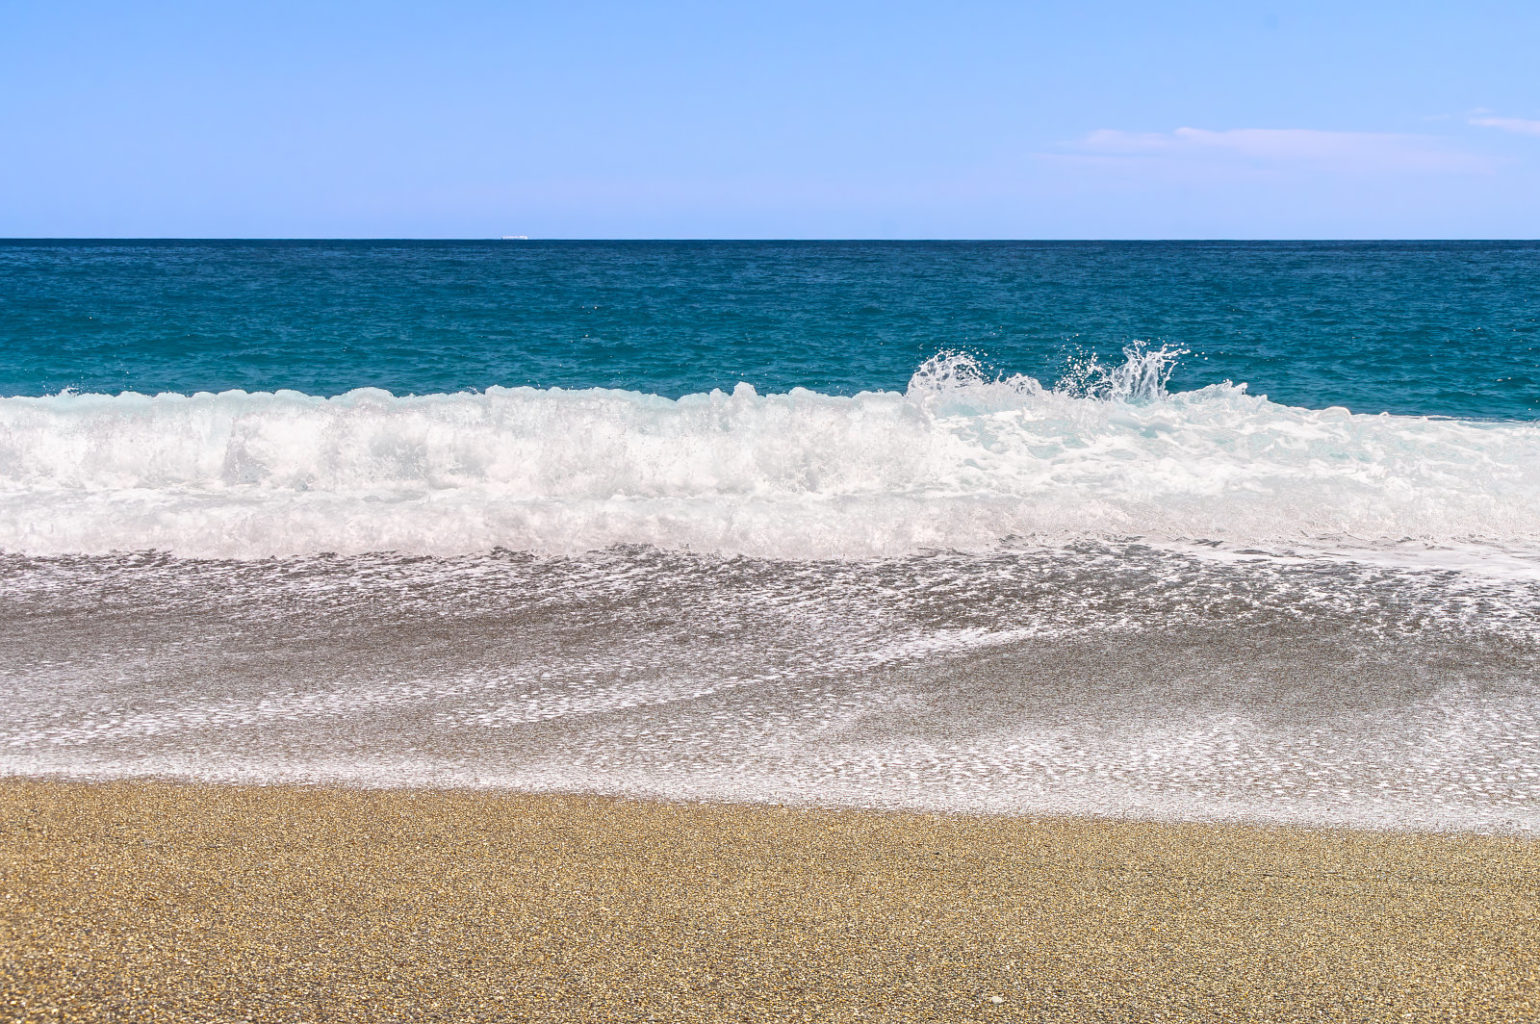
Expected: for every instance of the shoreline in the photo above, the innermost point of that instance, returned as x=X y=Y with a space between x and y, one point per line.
x=820 y=805
x=182 y=901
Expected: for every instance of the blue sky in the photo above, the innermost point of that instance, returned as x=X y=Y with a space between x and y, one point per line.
x=776 y=120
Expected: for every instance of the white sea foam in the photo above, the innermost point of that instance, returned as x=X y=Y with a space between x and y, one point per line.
x=959 y=460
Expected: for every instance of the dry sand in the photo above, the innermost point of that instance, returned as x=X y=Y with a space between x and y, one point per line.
x=146 y=902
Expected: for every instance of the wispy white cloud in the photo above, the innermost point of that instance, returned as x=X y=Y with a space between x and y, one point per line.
x=1362 y=152
x=1516 y=125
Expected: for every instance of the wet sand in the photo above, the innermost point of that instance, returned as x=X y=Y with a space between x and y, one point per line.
x=149 y=901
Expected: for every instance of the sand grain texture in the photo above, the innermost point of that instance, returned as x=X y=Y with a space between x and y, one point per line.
x=157 y=902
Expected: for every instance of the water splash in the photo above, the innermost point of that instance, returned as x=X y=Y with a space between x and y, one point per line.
x=948 y=370
x=1141 y=377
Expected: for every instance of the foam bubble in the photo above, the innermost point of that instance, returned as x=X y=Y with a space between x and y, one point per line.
x=960 y=460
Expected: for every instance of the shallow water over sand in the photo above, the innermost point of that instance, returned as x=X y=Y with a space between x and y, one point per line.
x=1104 y=679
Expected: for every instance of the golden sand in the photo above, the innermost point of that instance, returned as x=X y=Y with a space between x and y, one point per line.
x=147 y=902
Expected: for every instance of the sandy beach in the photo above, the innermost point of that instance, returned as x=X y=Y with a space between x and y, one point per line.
x=150 y=901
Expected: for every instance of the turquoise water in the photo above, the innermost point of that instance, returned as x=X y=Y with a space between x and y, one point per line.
x=1435 y=328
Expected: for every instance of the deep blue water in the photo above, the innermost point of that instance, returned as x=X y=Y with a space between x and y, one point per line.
x=1435 y=328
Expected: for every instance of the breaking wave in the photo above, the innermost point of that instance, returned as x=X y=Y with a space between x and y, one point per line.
x=960 y=460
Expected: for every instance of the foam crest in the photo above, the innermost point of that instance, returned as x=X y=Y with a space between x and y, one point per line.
x=959 y=460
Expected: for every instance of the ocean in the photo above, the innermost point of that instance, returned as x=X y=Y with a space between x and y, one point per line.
x=1190 y=531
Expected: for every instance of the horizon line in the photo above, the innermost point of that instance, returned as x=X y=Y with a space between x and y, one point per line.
x=746 y=238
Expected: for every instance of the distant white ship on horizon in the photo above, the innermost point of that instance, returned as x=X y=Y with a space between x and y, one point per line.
x=515 y=238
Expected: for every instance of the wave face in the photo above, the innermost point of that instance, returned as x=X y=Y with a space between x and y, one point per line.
x=959 y=460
